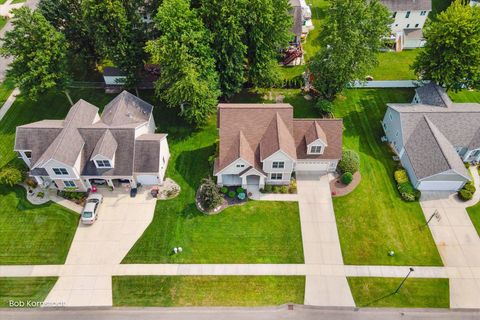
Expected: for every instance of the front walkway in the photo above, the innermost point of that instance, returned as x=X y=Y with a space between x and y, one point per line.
x=457 y=241
x=85 y=279
x=321 y=244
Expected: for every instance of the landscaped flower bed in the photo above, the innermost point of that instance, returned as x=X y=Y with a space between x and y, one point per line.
x=291 y=188
x=405 y=187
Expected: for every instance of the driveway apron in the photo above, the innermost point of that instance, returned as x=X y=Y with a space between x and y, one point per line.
x=121 y=221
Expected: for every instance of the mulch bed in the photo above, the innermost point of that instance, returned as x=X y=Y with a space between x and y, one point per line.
x=339 y=189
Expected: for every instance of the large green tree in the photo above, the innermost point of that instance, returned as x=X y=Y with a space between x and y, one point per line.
x=351 y=37
x=267 y=26
x=224 y=20
x=451 y=56
x=115 y=26
x=38 y=52
x=188 y=78
x=67 y=17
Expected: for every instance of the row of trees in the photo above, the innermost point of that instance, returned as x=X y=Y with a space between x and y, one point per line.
x=206 y=48
x=354 y=33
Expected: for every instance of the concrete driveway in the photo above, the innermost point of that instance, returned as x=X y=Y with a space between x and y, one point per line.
x=458 y=243
x=121 y=221
x=321 y=244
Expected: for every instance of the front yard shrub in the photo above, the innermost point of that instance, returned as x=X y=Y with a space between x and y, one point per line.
x=240 y=190
x=10 y=176
x=406 y=187
x=224 y=190
x=401 y=176
x=350 y=162
x=231 y=194
x=347 y=178
x=407 y=196
x=283 y=189
x=465 y=195
x=276 y=189
x=469 y=186
x=268 y=188
x=32 y=183
x=241 y=196
x=72 y=195
x=293 y=186
x=210 y=196
x=324 y=106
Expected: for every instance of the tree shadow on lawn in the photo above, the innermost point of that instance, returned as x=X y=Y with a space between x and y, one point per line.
x=193 y=166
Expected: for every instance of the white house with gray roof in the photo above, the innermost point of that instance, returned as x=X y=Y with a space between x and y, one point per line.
x=433 y=137
x=409 y=17
x=118 y=147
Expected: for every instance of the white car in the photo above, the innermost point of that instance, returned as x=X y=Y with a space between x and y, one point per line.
x=90 y=211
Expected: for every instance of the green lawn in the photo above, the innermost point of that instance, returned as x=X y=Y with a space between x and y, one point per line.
x=465 y=96
x=23 y=290
x=33 y=234
x=3 y=22
x=373 y=219
x=474 y=213
x=415 y=293
x=181 y=291
x=6 y=89
x=395 y=65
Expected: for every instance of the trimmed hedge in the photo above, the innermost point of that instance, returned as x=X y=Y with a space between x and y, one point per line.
x=466 y=193
x=405 y=188
x=347 y=178
x=350 y=162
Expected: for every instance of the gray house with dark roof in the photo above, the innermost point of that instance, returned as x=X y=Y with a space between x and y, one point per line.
x=120 y=146
x=433 y=137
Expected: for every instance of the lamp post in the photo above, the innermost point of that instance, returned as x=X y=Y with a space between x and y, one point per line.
x=403 y=281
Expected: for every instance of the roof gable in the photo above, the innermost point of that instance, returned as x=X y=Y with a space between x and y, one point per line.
x=126 y=109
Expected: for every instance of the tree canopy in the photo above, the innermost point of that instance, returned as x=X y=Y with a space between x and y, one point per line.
x=38 y=52
x=451 y=56
x=188 y=78
x=351 y=37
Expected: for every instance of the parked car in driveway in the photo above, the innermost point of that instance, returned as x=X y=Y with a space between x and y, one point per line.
x=90 y=211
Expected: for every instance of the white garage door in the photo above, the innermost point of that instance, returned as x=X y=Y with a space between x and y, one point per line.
x=147 y=180
x=440 y=185
x=311 y=165
x=231 y=180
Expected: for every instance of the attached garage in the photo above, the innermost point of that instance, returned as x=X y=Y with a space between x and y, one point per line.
x=312 y=165
x=231 y=180
x=148 y=180
x=440 y=185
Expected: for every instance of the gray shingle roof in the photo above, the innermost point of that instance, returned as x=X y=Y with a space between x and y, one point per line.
x=126 y=109
x=106 y=146
x=408 y=5
x=433 y=95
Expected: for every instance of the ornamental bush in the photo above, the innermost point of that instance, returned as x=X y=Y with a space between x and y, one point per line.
x=210 y=196
x=224 y=190
x=10 y=176
x=268 y=188
x=283 y=189
x=469 y=186
x=347 y=178
x=276 y=189
x=240 y=190
x=231 y=194
x=465 y=195
x=401 y=176
x=407 y=196
x=350 y=162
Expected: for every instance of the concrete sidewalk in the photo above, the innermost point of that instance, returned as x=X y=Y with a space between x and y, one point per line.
x=321 y=244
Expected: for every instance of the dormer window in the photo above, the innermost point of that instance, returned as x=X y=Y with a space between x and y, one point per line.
x=316 y=149
x=60 y=171
x=28 y=154
x=103 y=164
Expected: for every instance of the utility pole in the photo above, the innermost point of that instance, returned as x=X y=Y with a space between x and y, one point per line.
x=403 y=281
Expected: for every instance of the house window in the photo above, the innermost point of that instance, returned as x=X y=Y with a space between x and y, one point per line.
x=163 y=160
x=240 y=166
x=423 y=13
x=416 y=25
x=408 y=25
x=390 y=116
x=407 y=15
x=278 y=165
x=60 y=171
x=28 y=154
x=276 y=176
x=384 y=126
x=103 y=164
x=315 y=149
x=394 y=14
x=396 y=134
x=69 y=184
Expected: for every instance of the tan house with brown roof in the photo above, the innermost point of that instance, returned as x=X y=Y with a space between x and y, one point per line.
x=263 y=144
x=120 y=146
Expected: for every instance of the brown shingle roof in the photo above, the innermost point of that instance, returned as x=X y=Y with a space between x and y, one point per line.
x=106 y=146
x=333 y=130
x=262 y=129
x=126 y=109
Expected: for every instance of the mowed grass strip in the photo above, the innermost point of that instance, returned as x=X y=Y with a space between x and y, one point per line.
x=373 y=219
x=183 y=291
x=415 y=292
x=24 y=292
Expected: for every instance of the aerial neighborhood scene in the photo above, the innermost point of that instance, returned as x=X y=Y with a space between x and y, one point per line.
x=239 y=158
